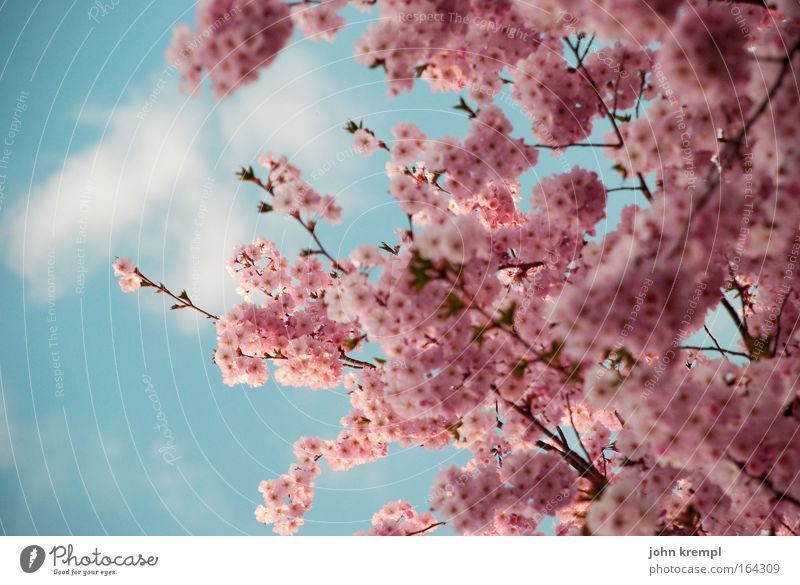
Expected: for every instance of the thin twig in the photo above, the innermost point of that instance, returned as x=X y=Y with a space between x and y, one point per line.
x=643 y=76
x=719 y=349
x=714 y=339
x=596 y=91
x=739 y=323
x=645 y=189
x=310 y=226
x=183 y=299
x=778 y=328
x=585 y=468
x=355 y=361
x=431 y=527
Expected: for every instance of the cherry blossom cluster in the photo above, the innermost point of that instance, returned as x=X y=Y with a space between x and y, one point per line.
x=498 y=321
x=288 y=497
x=401 y=519
x=231 y=41
x=291 y=194
x=288 y=325
x=507 y=500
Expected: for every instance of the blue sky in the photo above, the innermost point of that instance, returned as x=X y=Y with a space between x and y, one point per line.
x=112 y=417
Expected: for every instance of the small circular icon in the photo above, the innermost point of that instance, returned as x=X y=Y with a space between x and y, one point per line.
x=31 y=558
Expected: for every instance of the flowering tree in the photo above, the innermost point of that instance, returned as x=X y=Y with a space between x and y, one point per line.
x=560 y=361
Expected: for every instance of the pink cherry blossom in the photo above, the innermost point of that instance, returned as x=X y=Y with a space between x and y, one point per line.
x=551 y=340
x=364 y=142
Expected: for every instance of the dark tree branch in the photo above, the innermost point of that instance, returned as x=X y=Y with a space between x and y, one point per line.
x=424 y=530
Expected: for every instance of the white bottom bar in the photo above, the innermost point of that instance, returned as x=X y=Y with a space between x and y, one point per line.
x=417 y=560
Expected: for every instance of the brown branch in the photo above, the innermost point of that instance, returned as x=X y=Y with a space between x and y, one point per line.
x=714 y=339
x=623 y=189
x=549 y=362
x=578 y=144
x=616 y=86
x=645 y=189
x=759 y=3
x=581 y=59
x=789 y=528
x=310 y=227
x=582 y=68
x=355 y=361
x=431 y=527
x=643 y=76
x=584 y=468
x=522 y=265
x=593 y=85
x=719 y=349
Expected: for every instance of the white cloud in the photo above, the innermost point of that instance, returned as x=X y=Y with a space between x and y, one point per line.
x=161 y=188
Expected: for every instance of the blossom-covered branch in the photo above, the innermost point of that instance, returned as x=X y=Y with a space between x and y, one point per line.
x=500 y=321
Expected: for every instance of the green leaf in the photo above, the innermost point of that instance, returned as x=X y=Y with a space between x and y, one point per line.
x=478 y=331
x=453 y=429
x=352 y=127
x=519 y=369
x=507 y=316
x=246 y=174
x=264 y=207
x=419 y=267
x=622 y=355
x=464 y=106
x=453 y=305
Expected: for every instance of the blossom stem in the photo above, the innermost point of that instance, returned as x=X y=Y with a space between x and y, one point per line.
x=183 y=300
x=714 y=340
x=310 y=227
x=736 y=319
x=356 y=362
x=431 y=527
x=577 y=434
x=593 y=85
x=585 y=468
x=719 y=349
